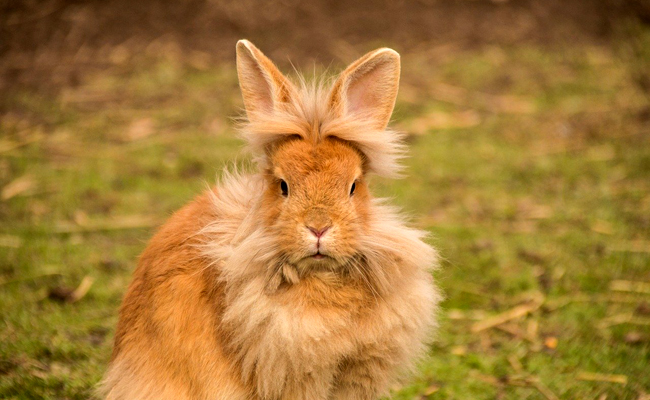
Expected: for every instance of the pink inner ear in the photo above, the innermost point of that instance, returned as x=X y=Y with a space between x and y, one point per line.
x=262 y=84
x=359 y=96
x=371 y=93
x=256 y=89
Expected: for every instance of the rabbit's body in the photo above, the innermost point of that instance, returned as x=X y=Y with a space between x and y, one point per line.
x=256 y=292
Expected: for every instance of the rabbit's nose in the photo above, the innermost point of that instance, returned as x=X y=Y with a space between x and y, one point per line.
x=318 y=232
x=317 y=220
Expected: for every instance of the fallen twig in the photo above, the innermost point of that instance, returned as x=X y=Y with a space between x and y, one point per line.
x=513 y=313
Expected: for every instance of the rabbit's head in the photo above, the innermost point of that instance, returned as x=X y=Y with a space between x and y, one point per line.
x=315 y=145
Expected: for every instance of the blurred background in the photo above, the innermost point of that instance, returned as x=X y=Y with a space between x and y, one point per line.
x=529 y=128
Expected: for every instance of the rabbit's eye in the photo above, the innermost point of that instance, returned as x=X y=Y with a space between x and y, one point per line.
x=354 y=186
x=284 y=187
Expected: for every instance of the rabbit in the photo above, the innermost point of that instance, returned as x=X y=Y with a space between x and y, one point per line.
x=291 y=282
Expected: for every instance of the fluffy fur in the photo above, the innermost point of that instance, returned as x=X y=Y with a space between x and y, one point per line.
x=237 y=297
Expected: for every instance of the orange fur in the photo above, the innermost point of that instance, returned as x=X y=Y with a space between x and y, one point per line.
x=293 y=282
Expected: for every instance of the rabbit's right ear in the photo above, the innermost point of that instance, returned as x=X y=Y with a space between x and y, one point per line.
x=368 y=88
x=263 y=86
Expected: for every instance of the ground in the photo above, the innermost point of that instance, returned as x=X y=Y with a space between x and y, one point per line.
x=529 y=165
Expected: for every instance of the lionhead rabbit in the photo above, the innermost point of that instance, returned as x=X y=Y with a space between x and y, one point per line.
x=293 y=282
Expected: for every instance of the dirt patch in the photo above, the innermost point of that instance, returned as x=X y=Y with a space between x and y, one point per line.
x=53 y=43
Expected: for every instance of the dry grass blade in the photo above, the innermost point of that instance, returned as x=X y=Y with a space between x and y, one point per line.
x=29 y=278
x=643 y=396
x=6 y=146
x=10 y=241
x=515 y=332
x=431 y=389
x=621 y=298
x=635 y=246
x=627 y=318
x=597 y=377
x=630 y=286
x=615 y=320
x=544 y=390
x=533 y=381
x=21 y=185
x=602 y=227
x=70 y=295
x=81 y=290
x=456 y=314
x=442 y=120
x=120 y=223
x=489 y=379
x=513 y=313
x=508 y=104
x=140 y=129
x=515 y=363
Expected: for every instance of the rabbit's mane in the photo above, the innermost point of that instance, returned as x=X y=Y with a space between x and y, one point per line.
x=309 y=115
x=245 y=249
x=390 y=256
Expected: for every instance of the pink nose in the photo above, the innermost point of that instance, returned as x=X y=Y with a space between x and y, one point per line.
x=318 y=232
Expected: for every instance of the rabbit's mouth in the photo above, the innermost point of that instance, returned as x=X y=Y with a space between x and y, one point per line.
x=319 y=256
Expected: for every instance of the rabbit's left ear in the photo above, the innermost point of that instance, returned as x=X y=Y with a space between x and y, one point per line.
x=263 y=86
x=368 y=88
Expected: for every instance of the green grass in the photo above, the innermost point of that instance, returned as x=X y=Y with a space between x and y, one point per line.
x=531 y=170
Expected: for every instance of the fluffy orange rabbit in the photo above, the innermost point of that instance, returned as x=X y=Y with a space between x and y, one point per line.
x=292 y=282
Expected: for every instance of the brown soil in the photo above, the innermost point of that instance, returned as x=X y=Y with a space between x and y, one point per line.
x=50 y=44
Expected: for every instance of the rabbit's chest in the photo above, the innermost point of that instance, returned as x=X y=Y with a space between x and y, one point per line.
x=305 y=323
x=324 y=330
x=352 y=321
x=317 y=327
x=311 y=332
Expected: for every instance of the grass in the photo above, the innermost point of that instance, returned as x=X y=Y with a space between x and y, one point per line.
x=530 y=167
